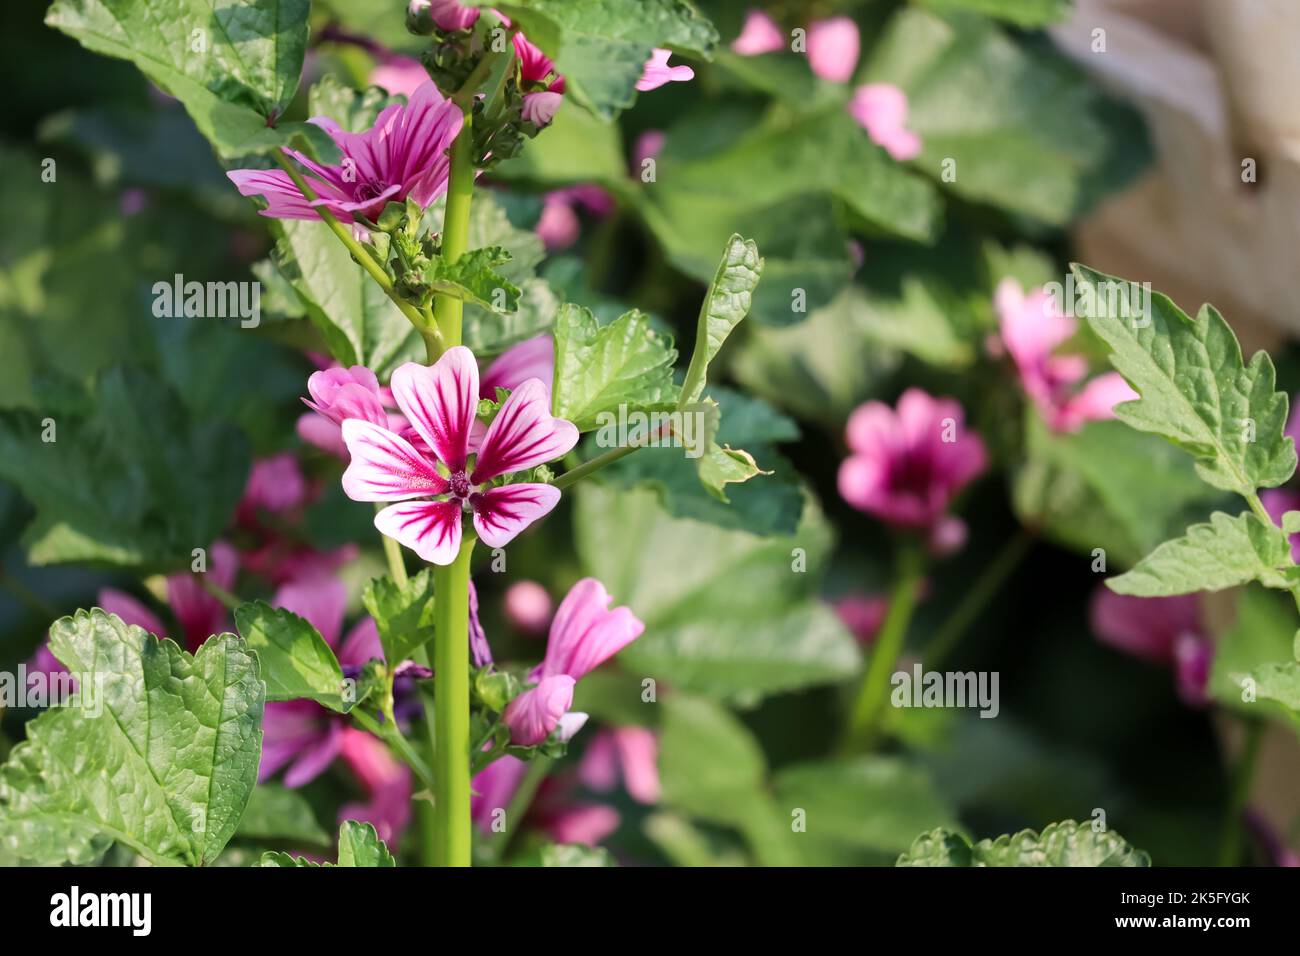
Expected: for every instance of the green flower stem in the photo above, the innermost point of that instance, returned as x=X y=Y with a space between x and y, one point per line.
x=537 y=771
x=1242 y=777
x=608 y=458
x=448 y=310
x=360 y=254
x=1262 y=514
x=977 y=598
x=230 y=601
x=451 y=708
x=393 y=552
x=864 y=719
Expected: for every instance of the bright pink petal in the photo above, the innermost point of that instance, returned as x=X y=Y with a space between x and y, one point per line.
x=523 y=434
x=441 y=402
x=501 y=513
x=320 y=599
x=833 y=46
x=385 y=467
x=558 y=226
x=528 y=607
x=587 y=824
x=657 y=72
x=531 y=358
x=493 y=787
x=362 y=644
x=399 y=74
x=322 y=433
x=586 y=633
x=432 y=529
x=760 y=34
x=638 y=751
x=316 y=758
x=535 y=713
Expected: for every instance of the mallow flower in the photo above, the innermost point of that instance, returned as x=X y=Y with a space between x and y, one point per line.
x=760 y=34
x=402 y=156
x=584 y=634
x=881 y=109
x=833 y=46
x=1031 y=328
x=528 y=608
x=628 y=752
x=340 y=393
x=553 y=810
x=657 y=72
x=1163 y=630
x=438 y=484
x=907 y=464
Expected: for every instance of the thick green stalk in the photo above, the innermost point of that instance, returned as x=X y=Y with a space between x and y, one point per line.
x=451 y=709
x=864 y=720
x=448 y=310
x=1242 y=778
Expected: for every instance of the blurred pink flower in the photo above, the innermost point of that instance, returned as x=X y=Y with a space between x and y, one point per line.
x=386 y=781
x=558 y=226
x=275 y=485
x=629 y=752
x=561 y=818
x=399 y=75
x=1162 y=630
x=1032 y=327
x=647 y=146
x=862 y=614
x=528 y=608
x=657 y=72
x=403 y=155
x=199 y=614
x=906 y=465
x=449 y=14
x=584 y=634
x=531 y=358
x=833 y=46
x=881 y=109
x=759 y=35
x=441 y=403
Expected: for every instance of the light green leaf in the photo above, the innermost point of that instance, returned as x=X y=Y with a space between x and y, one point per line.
x=235 y=68
x=712 y=768
x=403 y=615
x=835 y=797
x=1060 y=844
x=275 y=812
x=1279 y=682
x=1258 y=645
x=473 y=278
x=1019 y=127
x=576 y=148
x=359 y=845
x=354 y=110
x=297 y=664
x=1022 y=13
x=1195 y=389
x=1220 y=554
x=725 y=613
x=601 y=46
x=165 y=766
x=726 y=303
x=625 y=366
x=136 y=482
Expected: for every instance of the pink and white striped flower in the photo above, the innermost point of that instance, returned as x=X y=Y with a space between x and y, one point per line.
x=433 y=488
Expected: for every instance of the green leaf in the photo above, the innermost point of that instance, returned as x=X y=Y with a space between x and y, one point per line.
x=135 y=483
x=359 y=845
x=297 y=664
x=769 y=506
x=576 y=148
x=712 y=768
x=473 y=278
x=354 y=110
x=1022 y=13
x=1060 y=844
x=726 y=303
x=616 y=369
x=1258 y=645
x=1019 y=127
x=601 y=46
x=1281 y=683
x=166 y=768
x=234 y=68
x=832 y=797
x=275 y=812
x=402 y=614
x=1107 y=486
x=726 y=612
x=566 y=854
x=1220 y=554
x=1195 y=389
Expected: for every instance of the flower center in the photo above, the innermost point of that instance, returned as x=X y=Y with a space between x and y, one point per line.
x=368 y=191
x=460 y=485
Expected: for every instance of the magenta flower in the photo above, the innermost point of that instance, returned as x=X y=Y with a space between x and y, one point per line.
x=449 y=14
x=1163 y=630
x=584 y=634
x=275 y=485
x=399 y=75
x=881 y=109
x=862 y=614
x=528 y=608
x=386 y=781
x=906 y=466
x=628 y=752
x=554 y=811
x=759 y=35
x=435 y=488
x=403 y=155
x=531 y=358
x=338 y=394
x=558 y=225
x=833 y=46
x=657 y=72
x=199 y=614
x=1032 y=327
x=540 y=108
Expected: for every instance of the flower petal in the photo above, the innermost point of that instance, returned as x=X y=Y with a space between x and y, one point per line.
x=535 y=713
x=441 y=402
x=501 y=513
x=429 y=528
x=385 y=467
x=585 y=633
x=523 y=434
